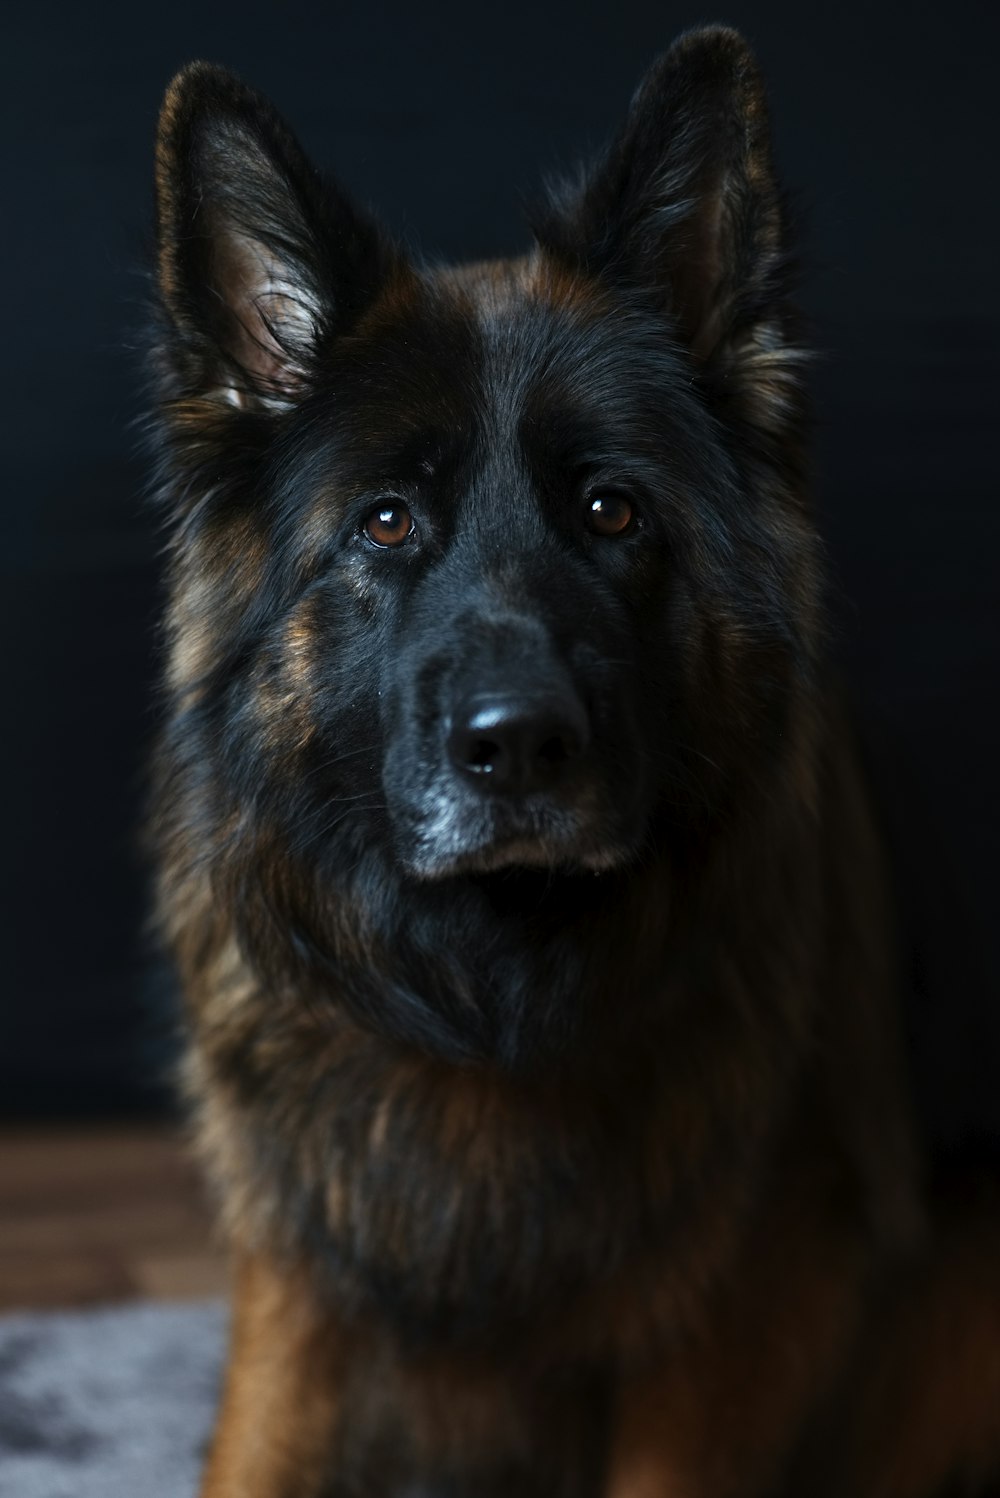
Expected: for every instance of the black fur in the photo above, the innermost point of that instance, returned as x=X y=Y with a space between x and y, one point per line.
x=513 y=847
x=493 y=416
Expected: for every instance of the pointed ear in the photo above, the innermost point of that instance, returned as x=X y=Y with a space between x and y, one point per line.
x=684 y=205
x=259 y=259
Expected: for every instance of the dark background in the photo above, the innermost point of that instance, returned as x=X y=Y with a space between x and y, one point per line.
x=886 y=124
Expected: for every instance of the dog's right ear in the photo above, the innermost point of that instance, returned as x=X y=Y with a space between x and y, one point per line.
x=259 y=259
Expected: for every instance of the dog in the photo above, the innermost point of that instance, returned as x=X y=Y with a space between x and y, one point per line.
x=532 y=919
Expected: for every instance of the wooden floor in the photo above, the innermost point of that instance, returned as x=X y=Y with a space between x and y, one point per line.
x=96 y=1214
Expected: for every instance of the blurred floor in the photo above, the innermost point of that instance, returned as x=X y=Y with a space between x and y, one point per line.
x=97 y=1214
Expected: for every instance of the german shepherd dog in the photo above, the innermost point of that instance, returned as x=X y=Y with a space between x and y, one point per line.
x=534 y=931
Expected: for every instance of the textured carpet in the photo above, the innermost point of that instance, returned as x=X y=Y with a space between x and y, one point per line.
x=108 y=1404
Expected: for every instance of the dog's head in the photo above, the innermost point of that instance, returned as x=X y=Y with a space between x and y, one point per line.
x=498 y=567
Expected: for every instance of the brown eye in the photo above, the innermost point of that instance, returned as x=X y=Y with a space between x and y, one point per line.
x=389 y=525
x=610 y=515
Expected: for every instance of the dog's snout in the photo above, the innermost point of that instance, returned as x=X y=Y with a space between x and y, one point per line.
x=517 y=744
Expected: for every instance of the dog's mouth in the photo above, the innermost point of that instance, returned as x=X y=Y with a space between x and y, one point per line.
x=521 y=858
x=544 y=839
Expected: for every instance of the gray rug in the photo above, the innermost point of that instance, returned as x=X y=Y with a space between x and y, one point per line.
x=108 y=1404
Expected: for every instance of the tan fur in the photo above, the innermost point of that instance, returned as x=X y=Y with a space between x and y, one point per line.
x=279 y=1406
x=683 y=1253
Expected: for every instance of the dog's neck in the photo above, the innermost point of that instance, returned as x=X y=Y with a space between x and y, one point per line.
x=458 y=1196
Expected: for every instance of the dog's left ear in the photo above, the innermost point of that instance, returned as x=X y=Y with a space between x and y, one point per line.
x=684 y=203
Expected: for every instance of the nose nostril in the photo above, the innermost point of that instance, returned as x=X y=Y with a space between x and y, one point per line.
x=555 y=750
x=482 y=756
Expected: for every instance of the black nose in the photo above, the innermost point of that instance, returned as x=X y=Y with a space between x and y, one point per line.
x=517 y=744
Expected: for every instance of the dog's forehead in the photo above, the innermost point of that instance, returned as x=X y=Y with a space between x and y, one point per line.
x=533 y=320
x=501 y=349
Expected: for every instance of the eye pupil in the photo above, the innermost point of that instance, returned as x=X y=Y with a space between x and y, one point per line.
x=389 y=525
x=610 y=515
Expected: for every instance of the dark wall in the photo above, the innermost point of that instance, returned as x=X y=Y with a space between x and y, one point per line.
x=440 y=115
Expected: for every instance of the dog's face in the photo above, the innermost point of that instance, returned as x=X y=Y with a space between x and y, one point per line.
x=495 y=472
x=495 y=568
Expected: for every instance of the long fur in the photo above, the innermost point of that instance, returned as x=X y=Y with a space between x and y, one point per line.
x=512 y=1108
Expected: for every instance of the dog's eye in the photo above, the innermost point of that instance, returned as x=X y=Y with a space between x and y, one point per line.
x=610 y=515
x=389 y=525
